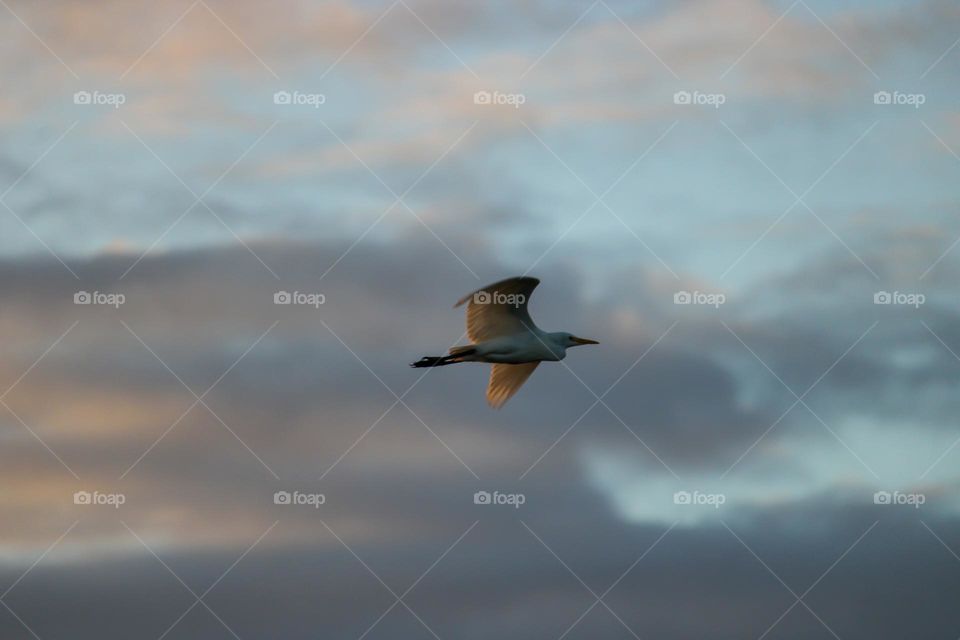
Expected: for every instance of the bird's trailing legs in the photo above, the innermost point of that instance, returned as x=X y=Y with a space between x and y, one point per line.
x=434 y=361
x=456 y=355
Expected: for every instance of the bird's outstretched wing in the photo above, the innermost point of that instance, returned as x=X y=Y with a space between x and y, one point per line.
x=499 y=309
x=505 y=380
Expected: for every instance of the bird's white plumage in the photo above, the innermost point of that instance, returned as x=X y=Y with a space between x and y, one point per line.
x=506 y=380
x=497 y=317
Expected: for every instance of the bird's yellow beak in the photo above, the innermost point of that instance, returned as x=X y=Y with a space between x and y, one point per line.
x=583 y=340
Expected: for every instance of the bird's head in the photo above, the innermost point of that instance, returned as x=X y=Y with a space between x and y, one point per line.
x=569 y=340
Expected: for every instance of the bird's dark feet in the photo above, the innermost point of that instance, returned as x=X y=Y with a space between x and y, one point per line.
x=432 y=361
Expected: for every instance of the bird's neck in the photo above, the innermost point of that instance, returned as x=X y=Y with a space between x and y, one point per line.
x=557 y=343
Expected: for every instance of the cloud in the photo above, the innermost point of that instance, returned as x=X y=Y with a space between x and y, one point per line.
x=300 y=398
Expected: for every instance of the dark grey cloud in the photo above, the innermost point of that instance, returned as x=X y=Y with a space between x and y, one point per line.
x=898 y=580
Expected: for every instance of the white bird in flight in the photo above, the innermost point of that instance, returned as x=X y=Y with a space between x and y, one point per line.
x=502 y=333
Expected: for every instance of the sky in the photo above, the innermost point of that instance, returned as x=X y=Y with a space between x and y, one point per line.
x=751 y=204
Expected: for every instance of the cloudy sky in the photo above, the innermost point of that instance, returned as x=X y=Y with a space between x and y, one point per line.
x=775 y=459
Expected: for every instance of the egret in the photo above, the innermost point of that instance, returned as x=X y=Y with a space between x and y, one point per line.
x=502 y=333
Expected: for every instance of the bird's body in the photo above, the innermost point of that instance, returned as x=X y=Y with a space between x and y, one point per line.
x=519 y=348
x=503 y=334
